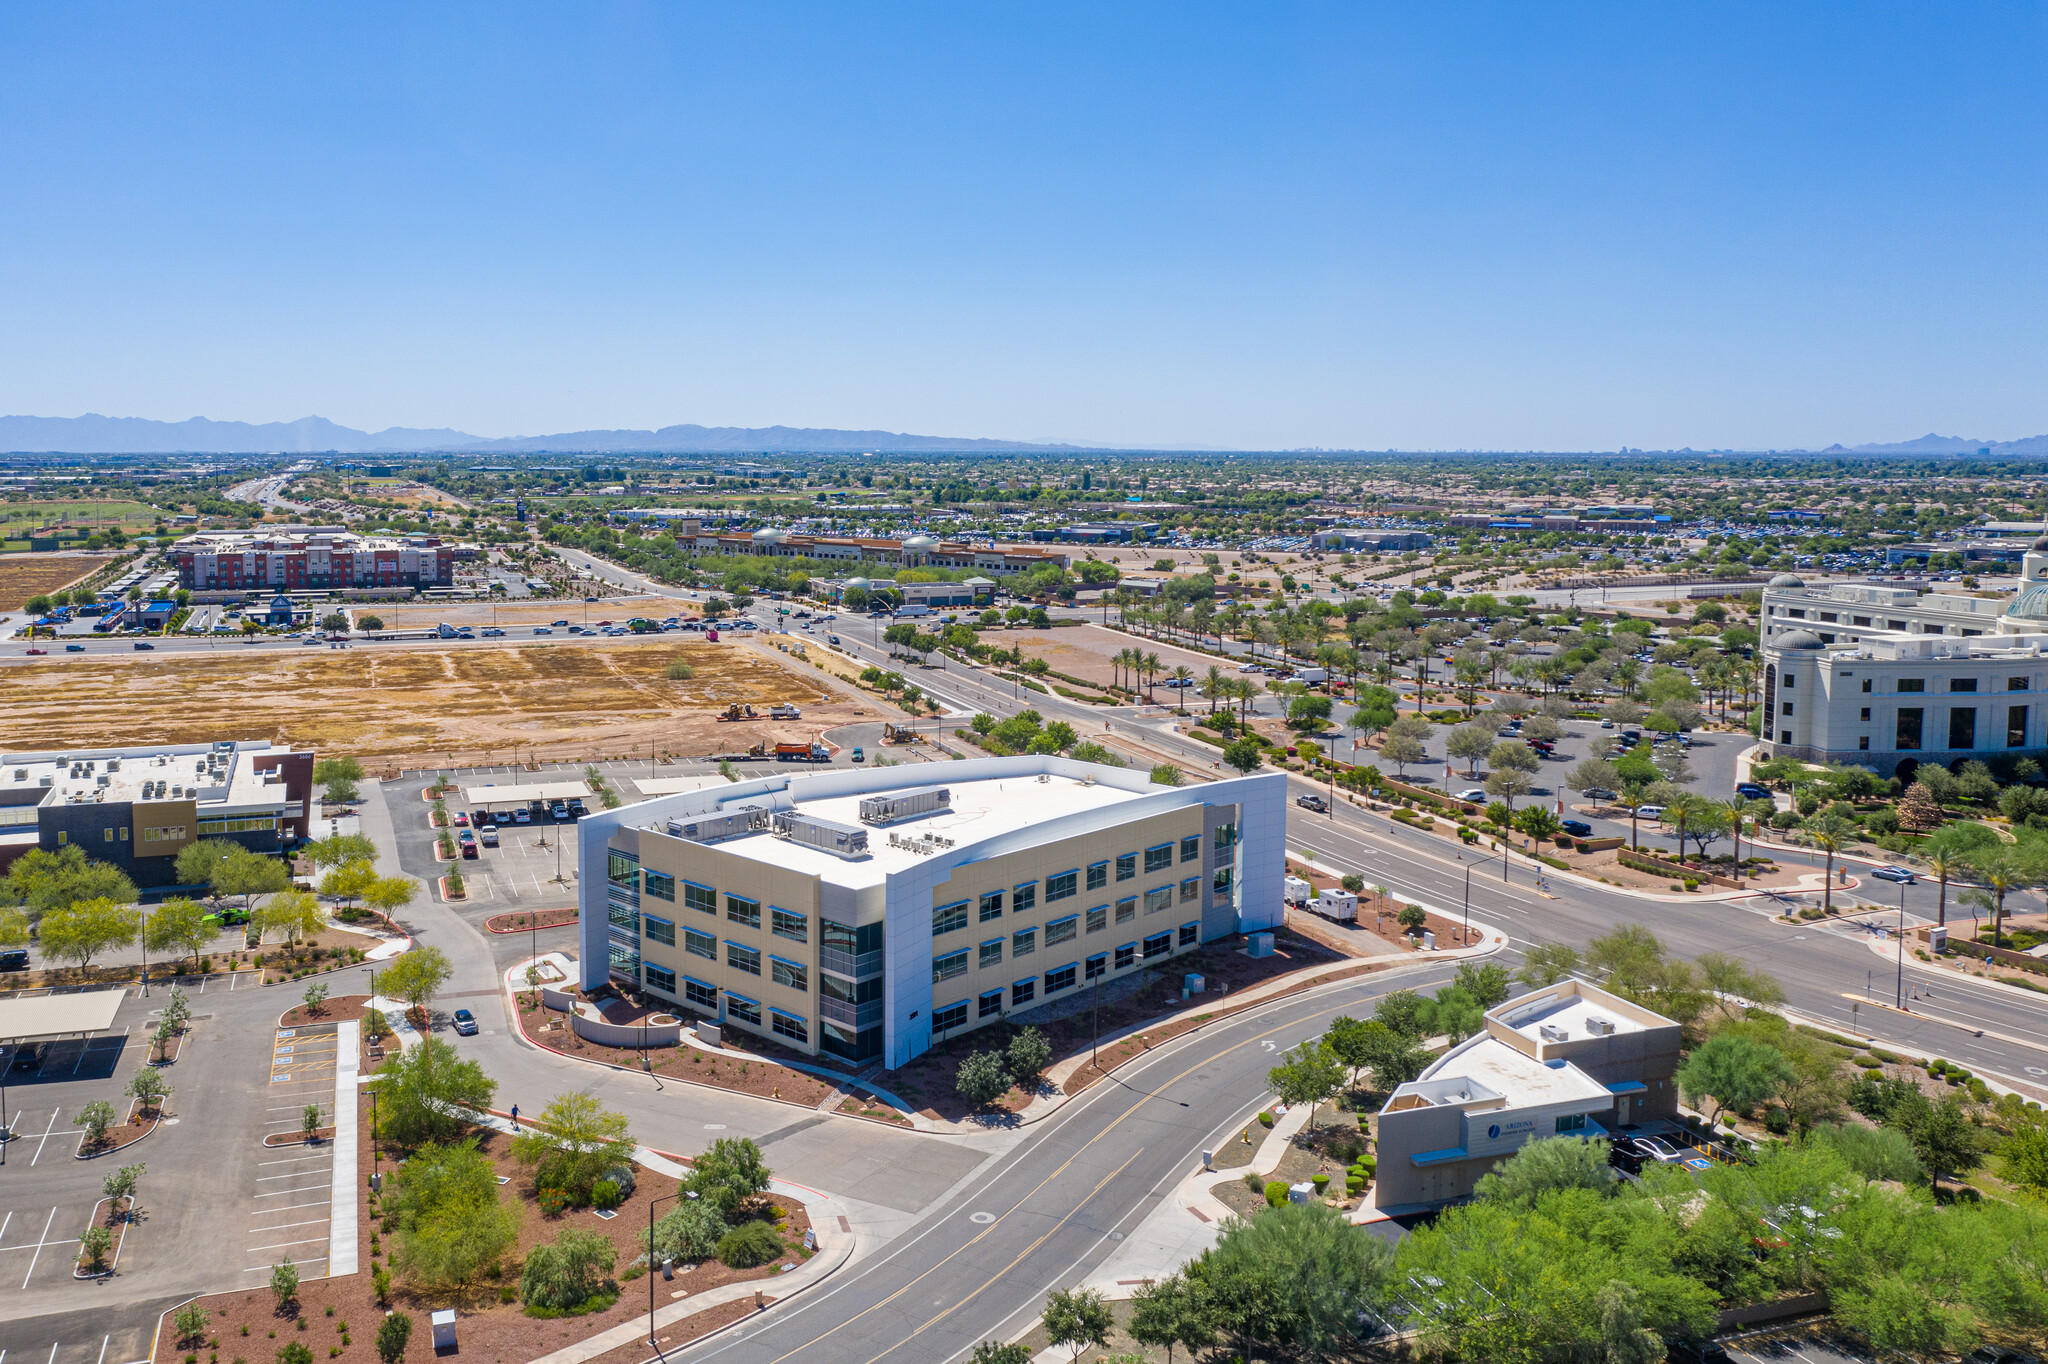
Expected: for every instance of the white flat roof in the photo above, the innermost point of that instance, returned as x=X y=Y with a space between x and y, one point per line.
x=505 y=795
x=675 y=786
x=1570 y=1013
x=979 y=810
x=23 y=1020
x=1522 y=1080
x=221 y=782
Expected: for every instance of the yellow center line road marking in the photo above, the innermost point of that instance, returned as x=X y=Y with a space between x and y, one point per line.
x=990 y=1228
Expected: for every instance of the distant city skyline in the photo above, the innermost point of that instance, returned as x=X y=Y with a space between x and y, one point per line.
x=1192 y=226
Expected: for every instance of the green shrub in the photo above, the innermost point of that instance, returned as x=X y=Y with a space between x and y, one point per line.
x=604 y=1195
x=1276 y=1193
x=1265 y=1119
x=1322 y=1182
x=295 y=1352
x=750 y=1244
x=689 y=1231
x=567 y=1273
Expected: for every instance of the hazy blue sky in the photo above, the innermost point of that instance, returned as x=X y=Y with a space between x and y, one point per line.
x=1421 y=226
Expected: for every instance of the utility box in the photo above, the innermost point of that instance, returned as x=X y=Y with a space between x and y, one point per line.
x=1428 y=941
x=444 y=1329
x=1340 y=905
x=1300 y=1193
x=1261 y=944
x=1295 y=891
x=1191 y=983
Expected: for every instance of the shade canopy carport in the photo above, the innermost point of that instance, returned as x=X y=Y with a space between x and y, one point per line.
x=48 y=1018
x=498 y=797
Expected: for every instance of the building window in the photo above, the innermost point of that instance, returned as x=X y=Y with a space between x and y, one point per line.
x=951 y=965
x=743 y=958
x=1190 y=934
x=661 y=931
x=1866 y=684
x=1865 y=716
x=989 y=1004
x=1024 y=942
x=1064 y=886
x=947 y=918
x=1126 y=955
x=699 y=995
x=1159 y=858
x=1024 y=898
x=1156 y=900
x=1791 y=680
x=1572 y=1122
x=1191 y=890
x=700 y=944
x=1098 y=918
x=1191 y=848
x=1863 y=741
x=1158 y=945
x=659 y=979
x=1023 y=992
x=1786 y=709
x=149 y=835
x=1962 y=684
x=1912 y=684
x=744 y=912
x=1962 y=728
x=700 y=898
x=951 y=1017
x=793 y=974
x=620 y=869
x=1909 y=727
x=992 y=953
x=124 y=835
x=1226 y=837
x=1126 y=910
x=790 y=1026
x=742 y=1008
x=1097 y=965
x=991 y=906
x=1784 y=736
x=1220 y=882
x=1062 y=930
x=623 y=916
x=1062 y=979
x=1098 y=875
x=2015 y=684
x=789 y=924
x=2015 y=726
x=661 y=886
x=1859 y=620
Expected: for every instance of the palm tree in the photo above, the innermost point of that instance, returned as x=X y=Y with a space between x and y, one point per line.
x=1183 y=674
x=1944 y=857
x=2002 y=872
x=1633 y=789
x=1682 y=810
x=1152 y=666
x=1830 y=833
x=1212 y=686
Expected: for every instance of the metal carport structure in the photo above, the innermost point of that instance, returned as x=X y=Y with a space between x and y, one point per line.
x=46 y=1018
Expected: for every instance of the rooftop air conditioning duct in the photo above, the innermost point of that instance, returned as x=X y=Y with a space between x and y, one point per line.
x=826 y=835
x=1550 y=1032
x=919 y=800
x=1600 y=1027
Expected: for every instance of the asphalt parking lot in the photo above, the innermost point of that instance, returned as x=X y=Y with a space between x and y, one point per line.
x=291 y=1188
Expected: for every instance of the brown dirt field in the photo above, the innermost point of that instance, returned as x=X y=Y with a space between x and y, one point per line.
x=524 y=615
x=1084 y=651
x=416 y=707
x=26 y=575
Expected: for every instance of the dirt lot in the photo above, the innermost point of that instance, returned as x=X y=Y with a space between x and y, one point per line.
x=26 y=575
x=1084 y=651
x=524 y=615
x=421 y=707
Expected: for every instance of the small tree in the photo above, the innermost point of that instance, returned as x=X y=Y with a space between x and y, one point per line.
x=1309 y=1074
x=1027 y=1057
x=339 y=776
x=1412 y=918
x=80 y=932
x=284 y=1281
x=1735 y=1072
x=94 y=1245
x=309 y=1121
x=1077 y=1318
x=728 y=1176
x=149 y=1089
x=1244 y=754
x=1172 y=1311
x=315 y=997
x=982 y=1078
x=996 y=1352
x=122 y=1183
x=96 y=1117
x=389 y=894
x=290 y=915
x=178 y=925
x=568 y=1272
x=190 y=1322
x=416 y=976
x=1544 y=1165
x=1166 y=774
x=392 y=1335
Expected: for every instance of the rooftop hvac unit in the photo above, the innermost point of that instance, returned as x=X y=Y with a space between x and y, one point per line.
x=1550 y=1032
x=826 y=835
x=1600 y=1027
x=21 y=774
x=711 y=828
x=919 y=800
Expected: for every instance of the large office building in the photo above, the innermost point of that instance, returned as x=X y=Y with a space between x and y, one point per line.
x=916 y=551
x=1566 y=1060
x=860 y=913
x=311 y=559
x=1888 y=678
x=138 y=808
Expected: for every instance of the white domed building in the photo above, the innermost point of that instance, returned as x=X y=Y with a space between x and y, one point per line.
x=1889 y=678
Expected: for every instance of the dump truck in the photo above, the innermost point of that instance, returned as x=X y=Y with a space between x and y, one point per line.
x=802 y=753
x=785 y=711
x=736 y=711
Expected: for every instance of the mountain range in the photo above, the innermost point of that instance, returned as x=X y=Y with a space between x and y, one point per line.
x=97 y=435
x=93 y=434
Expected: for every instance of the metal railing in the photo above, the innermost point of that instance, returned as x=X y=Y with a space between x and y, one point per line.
x=852 y=1015
x=852 y=965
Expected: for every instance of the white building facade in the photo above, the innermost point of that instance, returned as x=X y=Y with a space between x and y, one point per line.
x=1889 y=679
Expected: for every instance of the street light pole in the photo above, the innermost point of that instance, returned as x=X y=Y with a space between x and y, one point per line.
x=1900 y=997
x=1468 y=905
x=651 y=1203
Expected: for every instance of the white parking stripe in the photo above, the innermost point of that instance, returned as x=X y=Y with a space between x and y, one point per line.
x=290 y=1207
x=38 y=1255
x=280 y=1193
x=280 y=1245
x=287 y=1226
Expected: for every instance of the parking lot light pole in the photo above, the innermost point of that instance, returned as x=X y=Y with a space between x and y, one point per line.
x=1468 y=904
x=1901 y=995
x=651 y=1204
